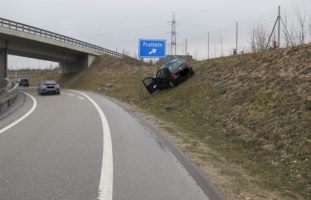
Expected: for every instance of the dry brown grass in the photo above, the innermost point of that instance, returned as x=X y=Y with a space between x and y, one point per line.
x=245 y=120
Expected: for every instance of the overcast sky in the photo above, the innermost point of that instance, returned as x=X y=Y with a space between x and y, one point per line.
x=118 y=24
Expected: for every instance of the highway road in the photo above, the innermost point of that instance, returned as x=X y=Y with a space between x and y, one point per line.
x=81 y=146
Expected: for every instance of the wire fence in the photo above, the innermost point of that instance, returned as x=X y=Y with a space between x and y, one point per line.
x=252 y=34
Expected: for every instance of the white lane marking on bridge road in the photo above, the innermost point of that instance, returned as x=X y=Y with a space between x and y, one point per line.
x=106 y=176
x=23 y=117
x=70 y=94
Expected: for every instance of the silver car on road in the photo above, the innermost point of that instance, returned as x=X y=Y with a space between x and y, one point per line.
x=49 y=87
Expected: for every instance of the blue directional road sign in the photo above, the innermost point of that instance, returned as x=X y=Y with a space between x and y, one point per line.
x=152 y=48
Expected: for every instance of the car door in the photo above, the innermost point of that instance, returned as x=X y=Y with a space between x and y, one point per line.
x=151 y=84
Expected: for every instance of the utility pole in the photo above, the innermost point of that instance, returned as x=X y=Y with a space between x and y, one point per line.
x=279 y=27
x=173 y=35
x=277 y=22
x=237 y=38
x=208 y=45
x=221 y=43
x=215 y=51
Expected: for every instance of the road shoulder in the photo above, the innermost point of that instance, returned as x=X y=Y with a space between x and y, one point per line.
x=209 y=188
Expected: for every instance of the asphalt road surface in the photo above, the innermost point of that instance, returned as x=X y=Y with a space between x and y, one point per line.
x=83 y=146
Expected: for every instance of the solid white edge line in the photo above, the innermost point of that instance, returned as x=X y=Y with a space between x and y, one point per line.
x=23 y=117
x=106 y=177
x=81 y=98
x=70 y=94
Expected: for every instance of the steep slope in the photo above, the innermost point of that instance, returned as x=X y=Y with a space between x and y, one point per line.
x=248 y=115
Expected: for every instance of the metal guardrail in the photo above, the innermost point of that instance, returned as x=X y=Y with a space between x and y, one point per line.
x=8 y=97
x=58 y=37
x=2 y=90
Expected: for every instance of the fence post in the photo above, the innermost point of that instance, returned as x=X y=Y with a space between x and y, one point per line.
x=237 y=38
x=208 y=45
x=279 y=27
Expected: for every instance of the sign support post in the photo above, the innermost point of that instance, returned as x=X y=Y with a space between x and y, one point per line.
x=150 y=48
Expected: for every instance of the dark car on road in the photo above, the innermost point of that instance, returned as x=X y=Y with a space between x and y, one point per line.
x=49 y=87
x=23 y=82
x=169 y=75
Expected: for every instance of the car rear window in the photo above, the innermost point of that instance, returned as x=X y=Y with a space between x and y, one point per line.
x=50 y=82
x=173 y=65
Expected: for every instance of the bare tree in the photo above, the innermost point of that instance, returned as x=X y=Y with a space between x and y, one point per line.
x=252 y=42
x=261 y=36
x=302 y=24
x=258 y=39
x=295 y=35
x=286 y=33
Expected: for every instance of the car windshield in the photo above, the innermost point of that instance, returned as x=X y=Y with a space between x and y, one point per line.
x=173 y=65
x=49 y=82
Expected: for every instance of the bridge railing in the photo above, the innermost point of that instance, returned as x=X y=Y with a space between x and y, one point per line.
x=62 y=38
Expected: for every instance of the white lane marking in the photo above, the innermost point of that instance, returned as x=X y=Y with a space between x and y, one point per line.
x=106 y=176
x=70 y=94
x=23 y=117
x=81 y=98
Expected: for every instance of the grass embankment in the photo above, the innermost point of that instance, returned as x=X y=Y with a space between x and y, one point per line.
x=245 y=120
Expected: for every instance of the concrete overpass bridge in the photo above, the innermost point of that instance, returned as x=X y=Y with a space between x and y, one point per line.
x=28 y=41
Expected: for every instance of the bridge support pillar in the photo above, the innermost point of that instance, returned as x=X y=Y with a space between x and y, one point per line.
x=3 y=66
x=87 y=60
x=67 y=68
x=83 y=63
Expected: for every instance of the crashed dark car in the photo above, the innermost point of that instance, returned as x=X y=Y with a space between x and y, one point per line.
x=49 y=87
x=169 y=75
